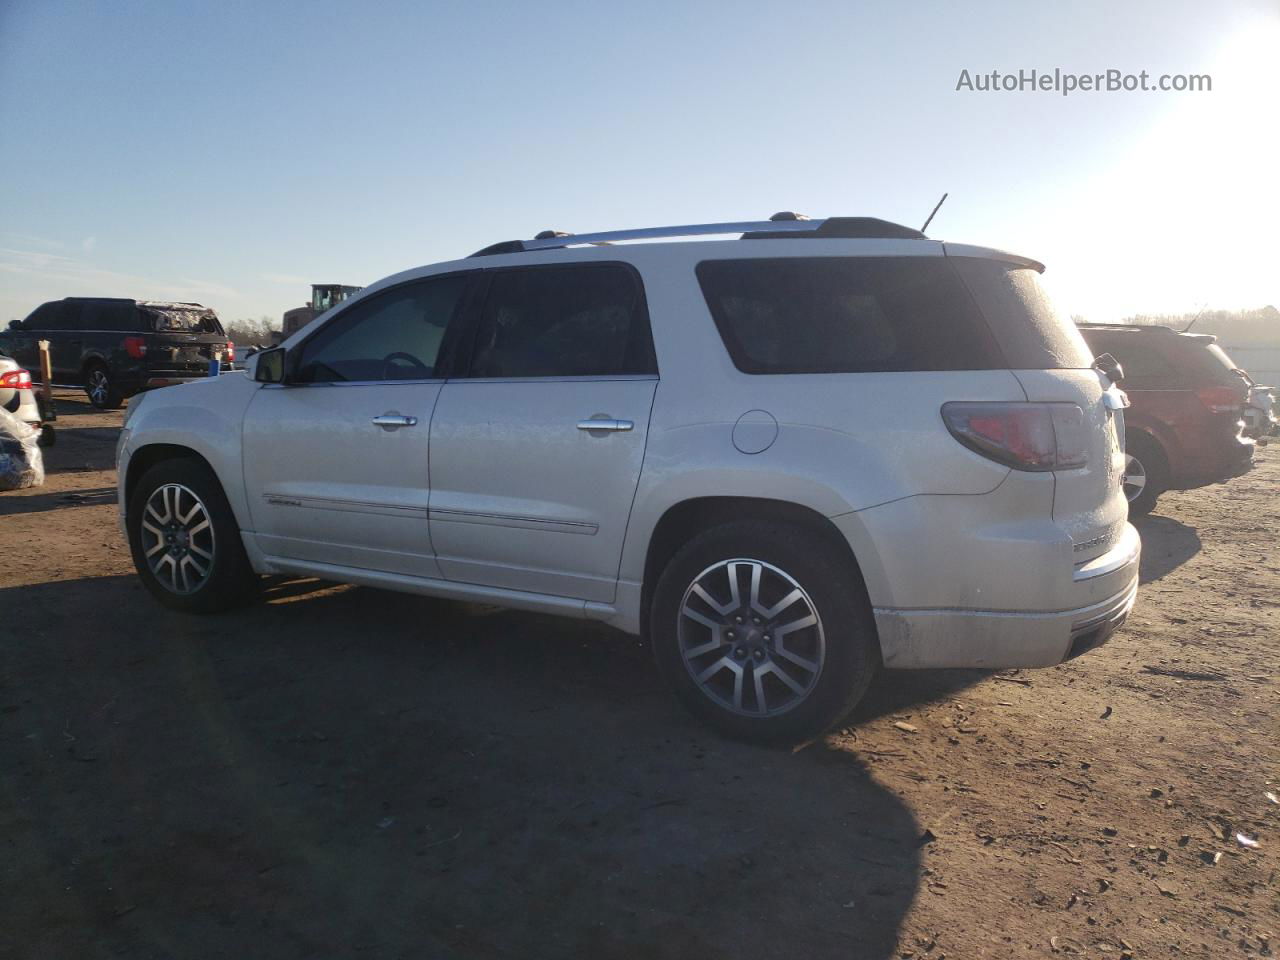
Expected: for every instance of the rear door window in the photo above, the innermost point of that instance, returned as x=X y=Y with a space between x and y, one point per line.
x=846 y=315
x=1033 y=334
x=582 y=320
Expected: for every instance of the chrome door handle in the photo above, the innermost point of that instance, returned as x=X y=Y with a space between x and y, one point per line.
x=394 y=420
x=616 y=426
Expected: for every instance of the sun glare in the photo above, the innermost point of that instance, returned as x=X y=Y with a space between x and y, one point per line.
x=1190 y=207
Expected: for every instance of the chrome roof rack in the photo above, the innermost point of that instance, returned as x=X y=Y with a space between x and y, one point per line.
x=783 y=225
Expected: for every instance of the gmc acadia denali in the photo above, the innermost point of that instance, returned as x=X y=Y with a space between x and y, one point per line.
x=787 y=457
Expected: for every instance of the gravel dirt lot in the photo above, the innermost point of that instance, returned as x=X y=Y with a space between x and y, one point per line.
x=347 y=772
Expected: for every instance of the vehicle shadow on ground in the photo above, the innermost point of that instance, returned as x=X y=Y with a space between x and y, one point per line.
x=352 y=770
x=14 y=502
x=1166 y=545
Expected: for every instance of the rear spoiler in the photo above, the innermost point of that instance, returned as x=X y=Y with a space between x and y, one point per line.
x=990 y=253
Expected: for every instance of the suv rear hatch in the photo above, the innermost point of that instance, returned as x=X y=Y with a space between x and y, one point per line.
x=184 y=337
x=1050 y=359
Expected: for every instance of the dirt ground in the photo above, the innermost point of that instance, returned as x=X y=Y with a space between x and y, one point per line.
x=347 y=772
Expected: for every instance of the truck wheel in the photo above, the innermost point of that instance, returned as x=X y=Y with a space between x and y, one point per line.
x=100 y=388
x=1146 y=474
x=764 y=631
x=185 y=541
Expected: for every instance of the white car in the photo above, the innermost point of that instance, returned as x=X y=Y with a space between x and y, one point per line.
x=787 y=457
x=18 y=397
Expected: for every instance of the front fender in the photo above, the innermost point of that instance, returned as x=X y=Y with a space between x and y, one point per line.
x=204 y=417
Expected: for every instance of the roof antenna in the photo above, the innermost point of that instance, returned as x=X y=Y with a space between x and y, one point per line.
x=935 y=213
x=1203 y=308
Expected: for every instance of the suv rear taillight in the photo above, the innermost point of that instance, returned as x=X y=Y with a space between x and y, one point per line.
x=231 y=352
x=136 y=347
x=1025 y=436
x=16 y=380
x=1220 y=399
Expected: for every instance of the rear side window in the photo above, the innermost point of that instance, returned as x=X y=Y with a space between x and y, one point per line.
x=1031 y=331
x=585 y=320
x=123 y=317
x=1145 y=365
x=846 y=315
x=109 y=315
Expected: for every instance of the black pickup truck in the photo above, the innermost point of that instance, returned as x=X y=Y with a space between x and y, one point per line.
x=114 y=348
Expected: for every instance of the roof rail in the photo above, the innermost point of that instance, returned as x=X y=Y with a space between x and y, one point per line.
x=1152 y=327
x=831 y=227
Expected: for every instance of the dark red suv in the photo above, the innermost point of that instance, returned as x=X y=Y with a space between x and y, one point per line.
x=1184 y=428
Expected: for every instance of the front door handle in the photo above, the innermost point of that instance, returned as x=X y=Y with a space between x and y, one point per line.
x=391 y=421
x=615 y=426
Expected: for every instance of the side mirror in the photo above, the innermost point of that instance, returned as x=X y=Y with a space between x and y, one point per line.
x=269 y=365
x=1110 y=367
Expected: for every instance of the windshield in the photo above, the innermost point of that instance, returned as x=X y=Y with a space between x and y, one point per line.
x=175 y=319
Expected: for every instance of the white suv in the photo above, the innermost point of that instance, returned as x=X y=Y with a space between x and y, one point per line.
x=787 y=457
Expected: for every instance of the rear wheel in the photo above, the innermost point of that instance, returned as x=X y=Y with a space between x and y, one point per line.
x=185 y=541
x=101 y=389
x=1146 y=474
x=764 y=631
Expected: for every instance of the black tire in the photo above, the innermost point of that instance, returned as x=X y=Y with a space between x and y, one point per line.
x=230 y=581
x=845 y=630
x=48 y=436
x=100 y=387
x=1146 y=454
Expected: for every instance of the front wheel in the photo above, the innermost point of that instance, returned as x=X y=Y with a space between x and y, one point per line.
x=185 y=541
x=764 y=631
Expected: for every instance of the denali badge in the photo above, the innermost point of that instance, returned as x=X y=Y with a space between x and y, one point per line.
x=1095 y=542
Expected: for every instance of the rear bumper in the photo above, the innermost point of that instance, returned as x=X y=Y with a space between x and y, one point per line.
x=924 y=638
x=1230 y=460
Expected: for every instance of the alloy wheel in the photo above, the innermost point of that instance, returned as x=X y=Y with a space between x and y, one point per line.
x=99 y=386
x=1135 y=477
x=751 y=637
x=177 y=538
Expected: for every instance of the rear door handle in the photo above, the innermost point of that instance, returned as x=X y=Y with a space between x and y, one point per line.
x=616 y=426
x=393 y=420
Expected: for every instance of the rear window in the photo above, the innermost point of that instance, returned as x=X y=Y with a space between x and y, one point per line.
x=1220 y=365
x=1031 y=331
x=179 y=320
x=846 y=315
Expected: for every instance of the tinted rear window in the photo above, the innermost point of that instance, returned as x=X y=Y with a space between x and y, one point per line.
x=846 y=315
x=1031 y=331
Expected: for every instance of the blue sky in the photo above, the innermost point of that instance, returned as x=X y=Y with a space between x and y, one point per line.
x=234 y=152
